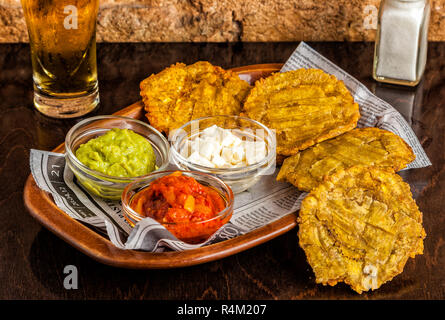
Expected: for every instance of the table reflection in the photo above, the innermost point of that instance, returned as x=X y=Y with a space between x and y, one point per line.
x=51 y=132
x=407 y=100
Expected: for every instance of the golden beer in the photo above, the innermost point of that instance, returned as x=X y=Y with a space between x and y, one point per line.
x=62 y=36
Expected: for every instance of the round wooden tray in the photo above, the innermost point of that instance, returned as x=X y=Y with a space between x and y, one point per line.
x=42 y=207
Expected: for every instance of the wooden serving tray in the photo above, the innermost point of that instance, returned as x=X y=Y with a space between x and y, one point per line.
x=42 y=207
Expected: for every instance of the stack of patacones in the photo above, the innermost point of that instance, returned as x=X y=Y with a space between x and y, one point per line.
x=359 y=224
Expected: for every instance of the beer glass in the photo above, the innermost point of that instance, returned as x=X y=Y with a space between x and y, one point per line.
x=62 y=36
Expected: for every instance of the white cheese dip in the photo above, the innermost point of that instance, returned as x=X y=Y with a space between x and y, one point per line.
x=216 y=147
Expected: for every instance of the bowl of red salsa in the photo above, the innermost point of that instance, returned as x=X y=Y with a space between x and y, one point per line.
x=191 y=205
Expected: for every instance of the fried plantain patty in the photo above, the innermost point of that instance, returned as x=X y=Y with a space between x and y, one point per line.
x=365 y=146
x=304 y=106
x=181 y=93
x=360 y=226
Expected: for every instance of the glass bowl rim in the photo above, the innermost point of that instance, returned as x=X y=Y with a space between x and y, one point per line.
x=227 y=210
x=72 y=157
x=176 y=155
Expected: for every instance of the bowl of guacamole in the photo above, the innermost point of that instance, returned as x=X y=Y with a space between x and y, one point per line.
x=106 y=153
x=118 y=153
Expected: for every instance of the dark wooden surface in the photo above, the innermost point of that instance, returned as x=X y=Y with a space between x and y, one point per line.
x=32 y=259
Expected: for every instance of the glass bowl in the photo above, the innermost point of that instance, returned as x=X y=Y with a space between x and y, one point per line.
x=238 y=178
x=100 y=184
x=190 y=232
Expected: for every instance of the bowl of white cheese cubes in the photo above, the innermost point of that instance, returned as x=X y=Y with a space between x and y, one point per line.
x=236 y=149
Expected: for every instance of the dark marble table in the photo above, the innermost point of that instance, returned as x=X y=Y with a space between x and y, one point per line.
x=32 y=259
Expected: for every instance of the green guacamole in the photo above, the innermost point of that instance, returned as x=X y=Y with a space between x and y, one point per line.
x=118 y=153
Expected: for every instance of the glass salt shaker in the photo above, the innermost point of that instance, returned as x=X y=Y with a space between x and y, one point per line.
x=401 y=41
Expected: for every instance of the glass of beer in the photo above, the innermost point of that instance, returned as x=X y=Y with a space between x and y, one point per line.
x=62 y=36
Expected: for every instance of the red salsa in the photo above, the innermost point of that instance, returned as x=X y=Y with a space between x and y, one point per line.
x=182 y=204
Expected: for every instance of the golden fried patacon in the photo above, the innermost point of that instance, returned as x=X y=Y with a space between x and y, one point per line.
x=181 y=93
x=365 y=146
x=304 y=106
x=360 y=226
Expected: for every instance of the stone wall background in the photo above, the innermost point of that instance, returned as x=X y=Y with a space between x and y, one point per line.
x=226 y=20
